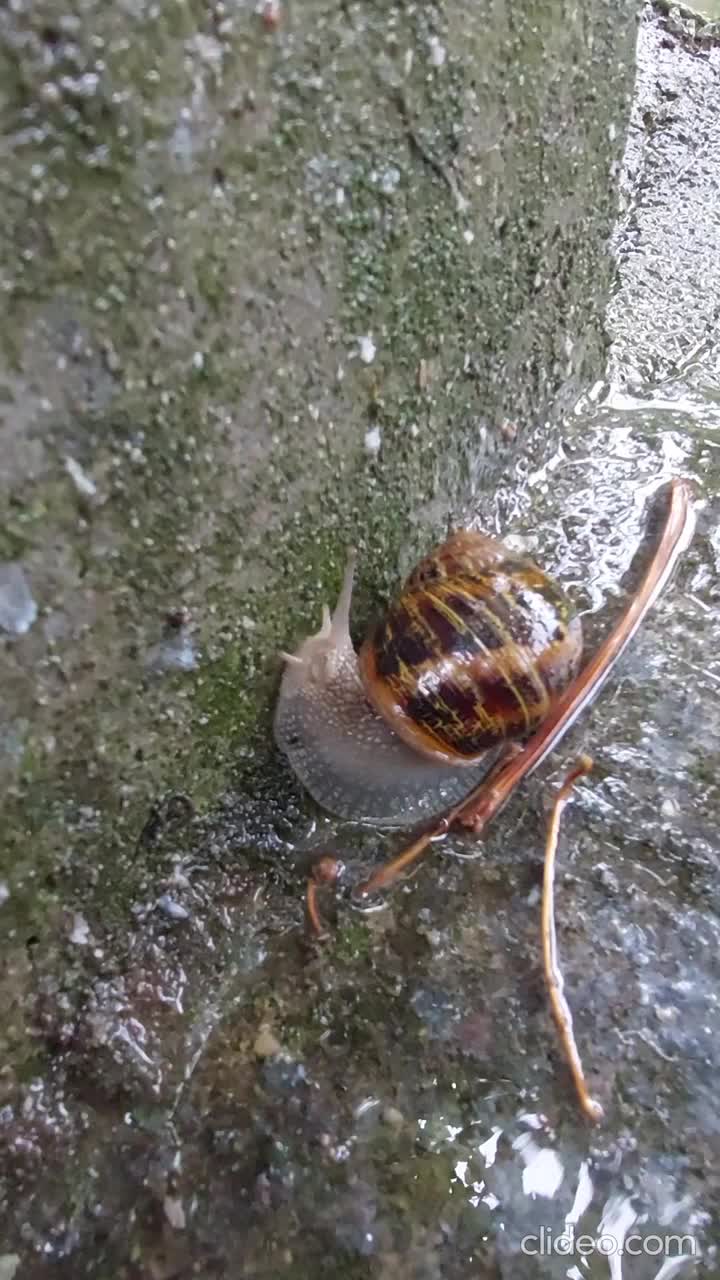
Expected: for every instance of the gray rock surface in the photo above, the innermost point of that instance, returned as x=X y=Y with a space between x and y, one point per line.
x=278 y=280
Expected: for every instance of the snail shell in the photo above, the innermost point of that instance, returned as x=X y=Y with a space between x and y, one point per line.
x=469 y=657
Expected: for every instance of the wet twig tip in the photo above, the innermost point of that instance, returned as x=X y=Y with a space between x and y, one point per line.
x=326 y=871
x=560 y=1008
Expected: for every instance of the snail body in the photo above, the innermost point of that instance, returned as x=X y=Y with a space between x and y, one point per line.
x=468 y=658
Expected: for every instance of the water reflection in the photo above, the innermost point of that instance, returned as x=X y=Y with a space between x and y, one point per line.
x=594 y=1227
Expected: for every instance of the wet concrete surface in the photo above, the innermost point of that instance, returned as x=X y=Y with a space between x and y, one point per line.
x=189 y=1087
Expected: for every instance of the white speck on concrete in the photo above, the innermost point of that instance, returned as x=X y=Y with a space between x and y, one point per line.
x=389 y=180
x=80 y=478
x=438 y=52
x=373 y=440
x=367 y=349
x=18 y=610
x=80 y=932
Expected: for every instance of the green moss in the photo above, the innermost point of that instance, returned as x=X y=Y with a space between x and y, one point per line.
x=422 y=1185
x=353 y=942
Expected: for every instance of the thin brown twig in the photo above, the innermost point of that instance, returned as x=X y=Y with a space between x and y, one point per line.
x=327 y=870
x=551 y=965
x=316 y=923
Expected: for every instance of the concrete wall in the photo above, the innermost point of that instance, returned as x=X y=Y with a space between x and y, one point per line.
x=269 y=288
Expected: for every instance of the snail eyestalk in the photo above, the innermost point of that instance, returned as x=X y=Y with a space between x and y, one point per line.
x=551 y=966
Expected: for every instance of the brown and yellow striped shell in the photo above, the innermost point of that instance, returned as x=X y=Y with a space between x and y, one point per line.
x=473 y=652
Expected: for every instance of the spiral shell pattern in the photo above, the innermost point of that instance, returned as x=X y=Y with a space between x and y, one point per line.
x=472 y=652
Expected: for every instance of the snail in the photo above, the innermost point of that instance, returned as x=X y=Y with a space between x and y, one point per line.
x=470 y=657
x=480 y=650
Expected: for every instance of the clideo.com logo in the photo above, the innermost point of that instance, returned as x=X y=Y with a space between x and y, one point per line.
x=566 y=1243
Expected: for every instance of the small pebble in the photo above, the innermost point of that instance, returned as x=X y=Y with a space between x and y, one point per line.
x=175 y=652
x=174 y=1212
x=171 y=908
x=606 y=877
x=80 y=932
x=392 y=1117
x=266 y=1044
